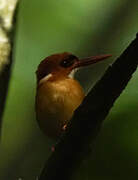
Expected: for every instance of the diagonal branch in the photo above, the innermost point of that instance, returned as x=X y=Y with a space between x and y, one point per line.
x=88 y=118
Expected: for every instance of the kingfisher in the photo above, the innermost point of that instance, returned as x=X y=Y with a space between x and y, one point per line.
x=58 y=94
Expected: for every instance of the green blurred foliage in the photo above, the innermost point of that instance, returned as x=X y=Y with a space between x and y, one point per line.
x=83 y=27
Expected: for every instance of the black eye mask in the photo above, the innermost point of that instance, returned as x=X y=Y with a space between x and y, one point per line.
x=68 y=61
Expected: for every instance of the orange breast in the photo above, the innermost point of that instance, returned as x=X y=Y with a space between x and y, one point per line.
x=55 y=103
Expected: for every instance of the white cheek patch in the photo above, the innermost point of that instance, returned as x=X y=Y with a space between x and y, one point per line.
x=71 y=75
x=46 y=78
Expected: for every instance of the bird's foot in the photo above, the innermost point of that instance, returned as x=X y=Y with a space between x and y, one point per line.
x=64 y=127
x=53 y=148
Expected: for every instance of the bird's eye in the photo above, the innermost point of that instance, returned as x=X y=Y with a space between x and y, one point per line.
x=68 y=61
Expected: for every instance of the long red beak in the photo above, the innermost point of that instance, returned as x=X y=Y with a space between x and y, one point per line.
x=91 y=60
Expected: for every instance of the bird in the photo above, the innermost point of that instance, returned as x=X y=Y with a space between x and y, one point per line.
x=58 y=94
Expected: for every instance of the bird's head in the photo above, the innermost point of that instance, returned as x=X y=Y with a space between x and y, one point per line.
x=62 y=64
